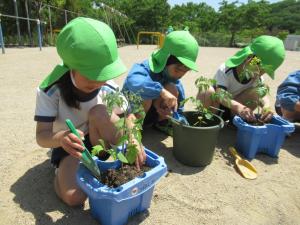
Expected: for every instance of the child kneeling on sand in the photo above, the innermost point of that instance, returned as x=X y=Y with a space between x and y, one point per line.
x=239 y=76
x=75 y=90
x=157 y=79
x=288 y=98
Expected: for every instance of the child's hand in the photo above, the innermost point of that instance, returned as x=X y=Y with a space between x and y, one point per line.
x=169 y=100
x=72 y=144
x=141 y=157
x=247 y=114
x=162 y=109
x=266 y=115
x=164 y=112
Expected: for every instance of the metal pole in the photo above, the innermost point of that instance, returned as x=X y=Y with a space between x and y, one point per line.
x=127 y=33
x=136 y=41
x=1 y=38
x=17 y=22
x=107 y=20
x=50 y=25
x=39 y=33
x=119 y=29
x=66 y=17
x=28 y=22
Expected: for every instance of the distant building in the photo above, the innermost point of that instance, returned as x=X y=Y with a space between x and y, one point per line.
x=292 y=42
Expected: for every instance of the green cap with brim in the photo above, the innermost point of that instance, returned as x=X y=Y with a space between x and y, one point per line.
x=180 y=44
x=89 y=47
x=270 y=50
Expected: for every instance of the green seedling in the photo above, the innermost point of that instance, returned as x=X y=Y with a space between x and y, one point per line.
x=206 y=114
x=121 y=100
x=261 y=90
x=251 y=70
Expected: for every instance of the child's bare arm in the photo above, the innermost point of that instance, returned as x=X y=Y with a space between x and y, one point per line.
x=47 y=139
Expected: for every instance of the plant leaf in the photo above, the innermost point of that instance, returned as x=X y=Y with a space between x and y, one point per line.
x=120 y=123
x=208 y=116
x=131 y=153
x=138 y=136
x=122 y=140
x=96 y=150
x=122 y=157
x=113 y=153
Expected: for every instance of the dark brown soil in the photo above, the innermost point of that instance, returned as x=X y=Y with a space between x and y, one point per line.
x=258 y=122
x=114 y=178
x=193 y=120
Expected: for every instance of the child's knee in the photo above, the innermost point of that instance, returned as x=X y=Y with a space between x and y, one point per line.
x=98 y=112
x=172 y=89
x=290 y=116
x=74 y=198
x=147 y=105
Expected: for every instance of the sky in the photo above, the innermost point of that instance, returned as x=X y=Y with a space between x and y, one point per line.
x=213 y=3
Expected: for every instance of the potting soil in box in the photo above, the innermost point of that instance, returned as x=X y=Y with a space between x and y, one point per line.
x=116 y=205
x=267 y=139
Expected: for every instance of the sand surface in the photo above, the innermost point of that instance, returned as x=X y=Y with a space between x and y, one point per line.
x=216 y=194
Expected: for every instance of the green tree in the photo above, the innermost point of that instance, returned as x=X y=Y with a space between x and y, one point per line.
x=231 y=19
x=146 y=15
x=198 y=17
x=285 y=15
x=236 y=18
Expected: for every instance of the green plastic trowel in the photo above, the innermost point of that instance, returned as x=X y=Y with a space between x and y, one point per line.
x=86 y=158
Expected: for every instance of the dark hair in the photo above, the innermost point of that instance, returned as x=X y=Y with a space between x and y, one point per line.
x=67 y=91
x=172 y=60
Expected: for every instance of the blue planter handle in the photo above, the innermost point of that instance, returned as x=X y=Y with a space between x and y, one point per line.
x=288 y=127
x=242 y=125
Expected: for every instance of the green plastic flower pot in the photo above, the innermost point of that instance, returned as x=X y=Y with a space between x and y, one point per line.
x=195 y=146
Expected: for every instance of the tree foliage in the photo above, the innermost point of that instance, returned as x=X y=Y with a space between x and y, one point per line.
x=233 y=22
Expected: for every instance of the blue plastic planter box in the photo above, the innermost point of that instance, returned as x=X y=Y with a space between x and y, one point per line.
x=266 y=139
x=116 y=205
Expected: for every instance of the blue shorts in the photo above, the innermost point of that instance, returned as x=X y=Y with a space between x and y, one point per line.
x=59 y=153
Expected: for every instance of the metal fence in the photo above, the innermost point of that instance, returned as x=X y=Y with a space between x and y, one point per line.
x=38 y=24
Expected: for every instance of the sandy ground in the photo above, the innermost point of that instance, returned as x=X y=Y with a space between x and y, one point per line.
x=216 y=194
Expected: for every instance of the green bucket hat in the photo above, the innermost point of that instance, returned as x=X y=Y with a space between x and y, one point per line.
x=269 y=49
x=180 y=44
x=88 y=46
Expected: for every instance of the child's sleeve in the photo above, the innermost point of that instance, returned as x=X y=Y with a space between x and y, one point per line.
x=221 y=79
x=139 y=81
x=288 y=93
x=46 y=105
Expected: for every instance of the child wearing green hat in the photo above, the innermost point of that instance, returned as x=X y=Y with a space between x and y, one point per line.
x=240 y=74
x=75 y=90
x=157 y=79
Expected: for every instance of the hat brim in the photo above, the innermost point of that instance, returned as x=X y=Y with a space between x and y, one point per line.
x=158 y=66
x=238 y=58
x=188 y=63
x=269 y=71
x=109 y=72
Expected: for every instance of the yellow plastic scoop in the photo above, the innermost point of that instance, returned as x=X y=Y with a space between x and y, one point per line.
x=244 y=166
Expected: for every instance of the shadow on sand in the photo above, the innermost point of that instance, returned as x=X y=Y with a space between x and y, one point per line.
x=34 y=193
x=154 y=140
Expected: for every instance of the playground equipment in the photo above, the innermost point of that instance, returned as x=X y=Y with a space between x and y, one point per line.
x=19 y=37
x=160 y=36
x=50 y=21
